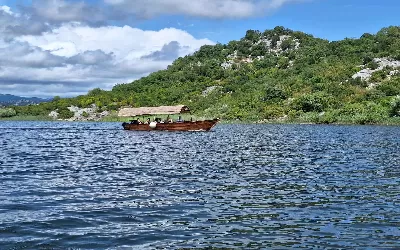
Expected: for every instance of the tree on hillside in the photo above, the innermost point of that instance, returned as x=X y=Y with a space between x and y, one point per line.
x=253 y=35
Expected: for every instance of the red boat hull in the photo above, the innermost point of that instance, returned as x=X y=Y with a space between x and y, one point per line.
x=205 y=125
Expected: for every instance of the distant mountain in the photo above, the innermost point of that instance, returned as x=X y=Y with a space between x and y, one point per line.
x=12 y=100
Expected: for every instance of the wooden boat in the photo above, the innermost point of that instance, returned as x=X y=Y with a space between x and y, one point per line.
x=180 y=125
x=205 y=125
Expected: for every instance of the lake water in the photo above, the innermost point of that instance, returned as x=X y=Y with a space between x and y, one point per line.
x=96 y=186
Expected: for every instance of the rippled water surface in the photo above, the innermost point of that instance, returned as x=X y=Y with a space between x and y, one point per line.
x=96 y=186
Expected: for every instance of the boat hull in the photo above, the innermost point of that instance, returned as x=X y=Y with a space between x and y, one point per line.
x=205 y=125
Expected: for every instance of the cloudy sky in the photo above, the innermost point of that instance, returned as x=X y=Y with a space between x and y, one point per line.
x=67 y=47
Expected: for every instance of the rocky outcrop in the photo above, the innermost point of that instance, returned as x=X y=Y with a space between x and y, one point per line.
x=277 y=49
x=208 y=90
x=54 y=115
x=366 y=73
x=82 y=114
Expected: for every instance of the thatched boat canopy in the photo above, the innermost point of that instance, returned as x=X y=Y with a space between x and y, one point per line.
x=161 y=110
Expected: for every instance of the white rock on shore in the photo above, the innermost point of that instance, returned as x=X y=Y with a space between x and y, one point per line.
x=82 y=114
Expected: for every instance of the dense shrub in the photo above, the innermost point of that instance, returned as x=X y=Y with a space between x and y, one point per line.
x=311 y=102
x=373 y=65
x=64 y=113
x=7 y=112
x=274 y=93
x=391 y=88
x=358 y=82
x=395 y=107
x=286 y=44
x=378 y=76
x=273 y=112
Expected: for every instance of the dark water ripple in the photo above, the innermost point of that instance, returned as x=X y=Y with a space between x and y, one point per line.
x=95 y=186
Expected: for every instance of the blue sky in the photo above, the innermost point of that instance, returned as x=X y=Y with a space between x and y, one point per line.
x=328 y=19
x=67 y=47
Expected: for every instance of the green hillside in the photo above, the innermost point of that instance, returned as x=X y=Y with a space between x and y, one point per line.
x=277 y=75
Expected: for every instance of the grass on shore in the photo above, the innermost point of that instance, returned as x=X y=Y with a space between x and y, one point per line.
x=308 y=119
x=27 y=118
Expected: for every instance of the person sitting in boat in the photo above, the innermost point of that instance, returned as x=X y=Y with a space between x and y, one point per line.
x=170 y=120
x=138 y=121
x=179 y=119
x=159 y=120
x=147 y=121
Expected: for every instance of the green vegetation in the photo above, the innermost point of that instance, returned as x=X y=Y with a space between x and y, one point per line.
x=7 y=112
x=277 y=75
x=64 y=113
x=27 y=118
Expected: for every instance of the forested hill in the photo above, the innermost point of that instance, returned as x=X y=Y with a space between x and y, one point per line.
x=275 y=75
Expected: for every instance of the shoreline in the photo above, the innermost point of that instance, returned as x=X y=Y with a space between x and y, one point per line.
x=390 y=122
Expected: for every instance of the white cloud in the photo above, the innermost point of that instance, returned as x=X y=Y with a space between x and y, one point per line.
x=124 y=42
x=56 y=12
x=20 y=54
x=94 y=57
x=6 y=9
x=200 y=8
x=13 y=24
x=76 y=58
x=65 y=11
